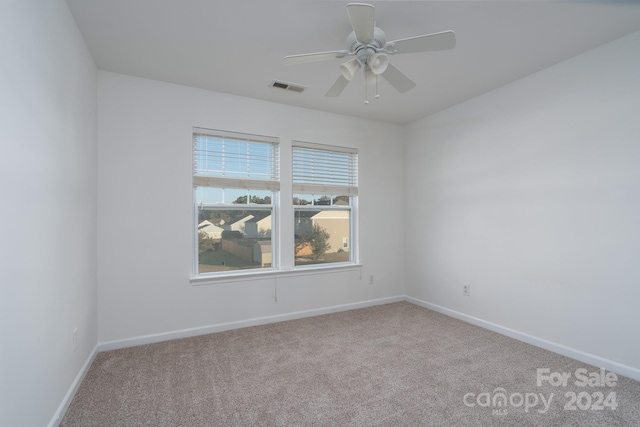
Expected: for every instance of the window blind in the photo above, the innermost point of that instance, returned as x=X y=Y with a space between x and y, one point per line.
x=234 y=160
x=323 y=169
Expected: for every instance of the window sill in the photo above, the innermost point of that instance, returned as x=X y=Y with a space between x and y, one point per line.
x=260 y=275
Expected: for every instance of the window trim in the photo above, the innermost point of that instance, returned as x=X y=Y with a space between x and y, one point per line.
x=350 y=189
x=278 y=245
x=275 y=242
x=272 y=185
x=261 y=274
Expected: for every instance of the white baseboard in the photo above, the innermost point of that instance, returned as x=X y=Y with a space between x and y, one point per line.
x=64 y=405
x=610 y=365
x=202 y=330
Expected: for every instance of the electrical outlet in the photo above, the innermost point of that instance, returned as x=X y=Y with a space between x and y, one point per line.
x=74 y=338
x=466 y=290
x=371 y=279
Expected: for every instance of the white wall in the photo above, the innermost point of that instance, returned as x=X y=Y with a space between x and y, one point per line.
x=530 y=194
x=527 y=193
x=144 y=173
x=48 y=211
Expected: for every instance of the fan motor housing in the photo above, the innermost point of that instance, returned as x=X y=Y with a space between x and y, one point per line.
x=379 y=39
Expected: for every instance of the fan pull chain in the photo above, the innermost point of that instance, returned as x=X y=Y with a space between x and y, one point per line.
x=366 y=91
x=377 y=80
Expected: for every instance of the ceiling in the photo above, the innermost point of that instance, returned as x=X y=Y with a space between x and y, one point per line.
x=238 y=46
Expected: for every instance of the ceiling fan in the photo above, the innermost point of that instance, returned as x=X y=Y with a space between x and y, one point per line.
x=369 y=46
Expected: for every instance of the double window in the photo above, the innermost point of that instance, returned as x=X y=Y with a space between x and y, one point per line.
x=236 y=188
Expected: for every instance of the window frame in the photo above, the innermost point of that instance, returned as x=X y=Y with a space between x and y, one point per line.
x=283 y=260
x=353 y=252
x=275 y=242
x=347 y=186
x=237 y=183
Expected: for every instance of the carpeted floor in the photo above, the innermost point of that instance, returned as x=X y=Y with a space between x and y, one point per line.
x=391 y=365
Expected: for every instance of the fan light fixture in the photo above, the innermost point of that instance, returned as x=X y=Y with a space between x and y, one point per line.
x=378 y=63
x=350 y=68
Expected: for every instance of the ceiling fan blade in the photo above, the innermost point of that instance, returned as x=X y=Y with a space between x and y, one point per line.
x=362 y=21
x=312 y=57
x=397 y=79
x=338 y=86
x=426 y=43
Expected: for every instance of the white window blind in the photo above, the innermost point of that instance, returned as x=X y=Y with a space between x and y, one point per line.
x=235 y=160
x=323 y=169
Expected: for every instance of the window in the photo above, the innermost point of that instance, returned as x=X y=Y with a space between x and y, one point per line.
x=325 y=189
x=236 y=200
x=235 y=187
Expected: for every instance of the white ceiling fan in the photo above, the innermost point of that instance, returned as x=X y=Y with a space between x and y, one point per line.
x=369 y=46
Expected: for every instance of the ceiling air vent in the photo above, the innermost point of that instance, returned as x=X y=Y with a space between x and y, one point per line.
x=287 y=86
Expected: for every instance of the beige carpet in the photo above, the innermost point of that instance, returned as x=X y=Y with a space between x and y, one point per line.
x=391 y=365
